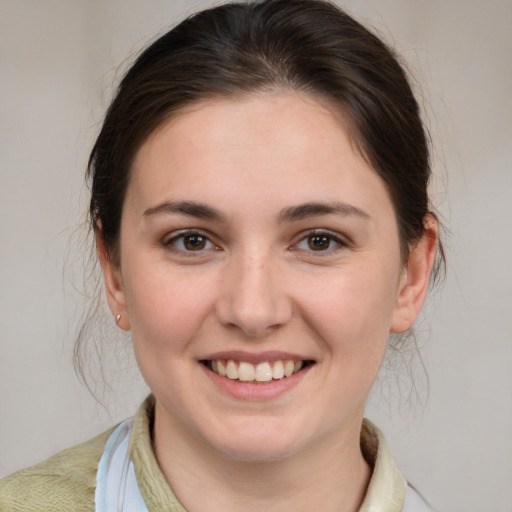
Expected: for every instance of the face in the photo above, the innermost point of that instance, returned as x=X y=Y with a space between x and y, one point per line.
x=256 y=241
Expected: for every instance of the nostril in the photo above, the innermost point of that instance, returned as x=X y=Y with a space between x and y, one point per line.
x=255 y=317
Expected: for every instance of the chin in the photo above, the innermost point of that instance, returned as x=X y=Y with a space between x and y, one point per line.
x=251 y=451
x=257 y=443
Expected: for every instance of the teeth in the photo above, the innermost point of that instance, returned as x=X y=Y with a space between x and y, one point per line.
x=278 y=370
x=288 y=368
x=221 y=368
x=262 y=372
x=246 y=372
x=232 y=370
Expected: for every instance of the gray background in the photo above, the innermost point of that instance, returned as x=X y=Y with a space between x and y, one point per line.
x=58 y=61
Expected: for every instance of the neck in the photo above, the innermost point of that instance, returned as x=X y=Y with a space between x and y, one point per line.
x=330 y=476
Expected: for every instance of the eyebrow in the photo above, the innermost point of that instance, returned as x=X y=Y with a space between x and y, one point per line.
x=290 y=214
x=315 y=209
x=190 y=208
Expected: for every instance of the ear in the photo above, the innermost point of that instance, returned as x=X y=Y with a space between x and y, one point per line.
x=415 y=278
x=113 y=282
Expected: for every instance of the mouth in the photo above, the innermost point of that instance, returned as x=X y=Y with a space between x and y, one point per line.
x=264 y=372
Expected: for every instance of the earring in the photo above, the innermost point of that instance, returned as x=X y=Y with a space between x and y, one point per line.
x=118 y=317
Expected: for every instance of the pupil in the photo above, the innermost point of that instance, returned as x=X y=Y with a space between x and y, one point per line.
x=194 y=242
x=318 y=242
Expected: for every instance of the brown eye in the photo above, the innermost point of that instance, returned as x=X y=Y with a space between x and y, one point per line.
x=194 y=242
x=189 y=242
x=319 y=242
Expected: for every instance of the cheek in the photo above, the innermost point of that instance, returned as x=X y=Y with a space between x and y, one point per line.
x=166 y=313
x=352 y=312
x=166 y=309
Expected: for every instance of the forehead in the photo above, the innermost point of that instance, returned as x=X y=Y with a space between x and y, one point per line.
x=288 y=146
x=284 y=117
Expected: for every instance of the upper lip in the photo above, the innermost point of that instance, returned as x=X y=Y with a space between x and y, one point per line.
x=255 y=358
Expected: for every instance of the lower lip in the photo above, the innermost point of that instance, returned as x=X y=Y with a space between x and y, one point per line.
x=256 y=391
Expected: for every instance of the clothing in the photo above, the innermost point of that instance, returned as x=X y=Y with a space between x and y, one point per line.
x=68 y=480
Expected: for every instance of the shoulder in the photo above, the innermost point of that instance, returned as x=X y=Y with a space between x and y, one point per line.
x=66 y=481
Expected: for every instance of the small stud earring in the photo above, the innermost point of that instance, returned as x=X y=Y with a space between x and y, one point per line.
x=118 y=317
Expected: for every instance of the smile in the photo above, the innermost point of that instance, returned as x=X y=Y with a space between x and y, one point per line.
x=263 y=372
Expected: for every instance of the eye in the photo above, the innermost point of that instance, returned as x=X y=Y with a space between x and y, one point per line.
x=320 y=241
x=189 y=242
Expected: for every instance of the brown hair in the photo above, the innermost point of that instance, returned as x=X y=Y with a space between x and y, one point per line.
x=310 y=46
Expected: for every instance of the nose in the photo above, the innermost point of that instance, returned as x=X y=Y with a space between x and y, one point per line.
x=252 y=298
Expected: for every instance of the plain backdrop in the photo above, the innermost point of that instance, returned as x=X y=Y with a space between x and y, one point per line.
x=59 y=59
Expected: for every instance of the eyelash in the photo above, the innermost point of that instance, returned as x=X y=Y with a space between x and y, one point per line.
x=171 y=243
x=322 y=235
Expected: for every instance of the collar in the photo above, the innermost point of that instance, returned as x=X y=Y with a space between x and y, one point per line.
x=386 y=491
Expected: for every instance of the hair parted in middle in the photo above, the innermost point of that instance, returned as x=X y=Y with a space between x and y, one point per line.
x=235 y=49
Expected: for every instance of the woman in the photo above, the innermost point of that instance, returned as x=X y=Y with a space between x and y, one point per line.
x=259 y=201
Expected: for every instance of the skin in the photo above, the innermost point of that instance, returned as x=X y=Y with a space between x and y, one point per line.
x=255 y=288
